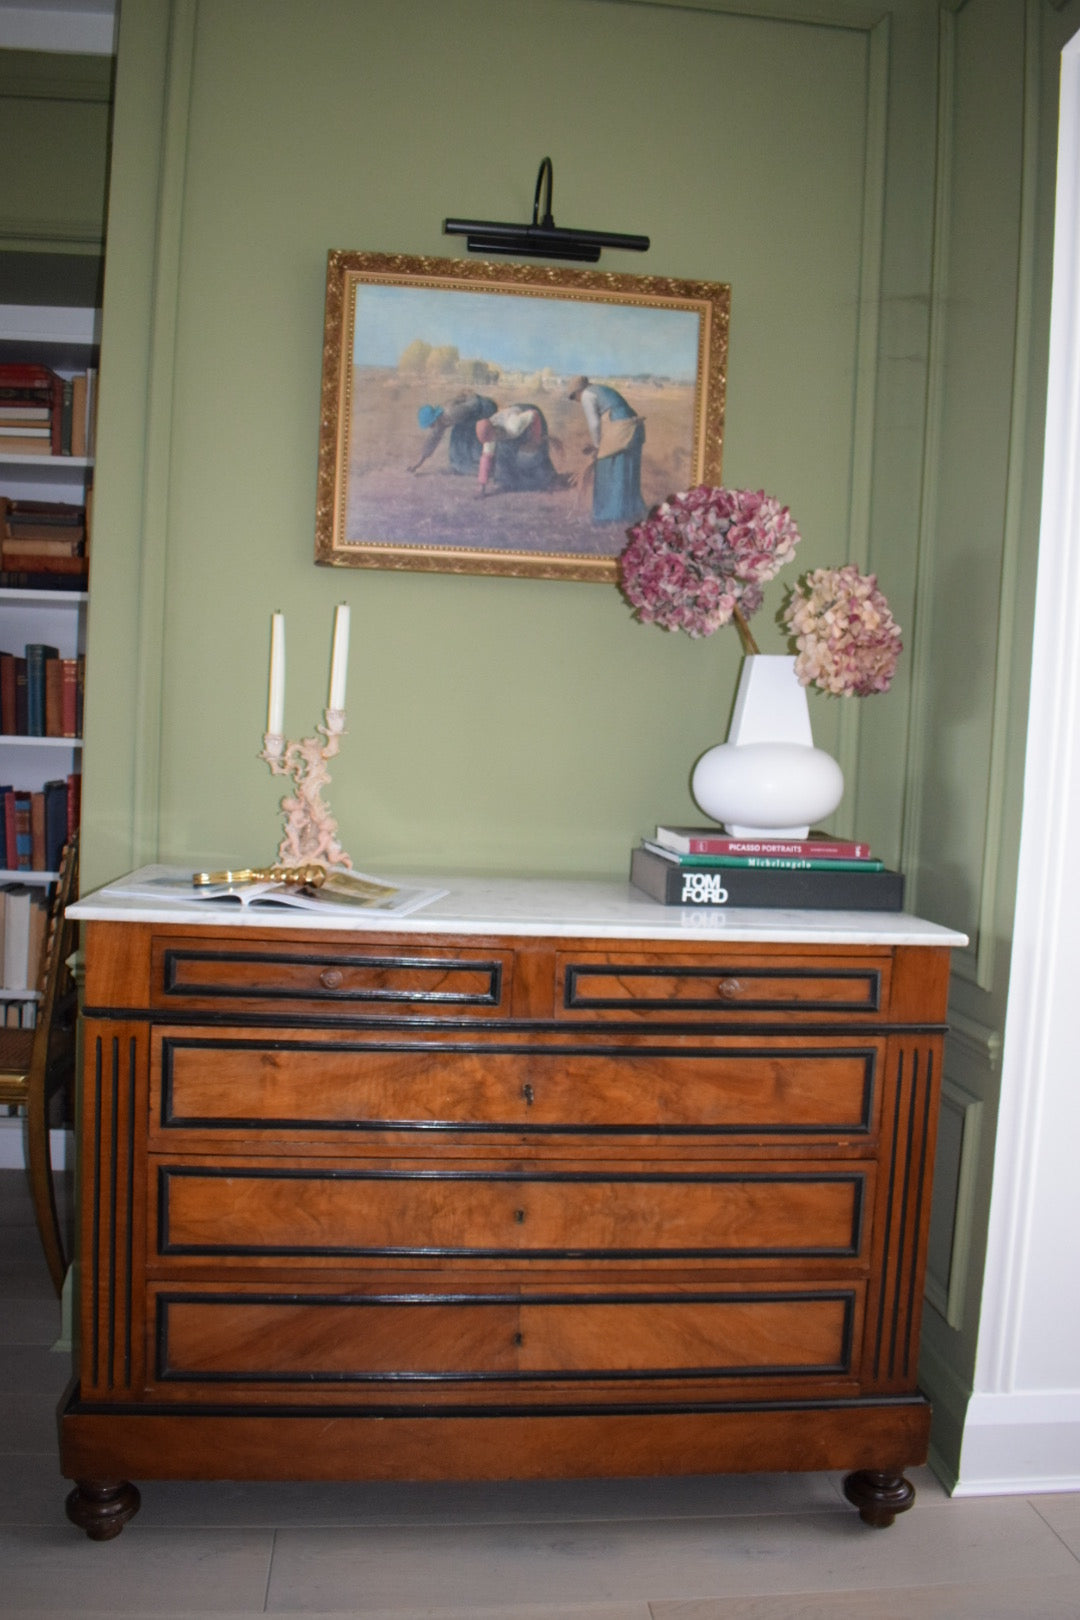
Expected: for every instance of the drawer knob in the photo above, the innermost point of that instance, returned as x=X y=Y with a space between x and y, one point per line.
x=729 y=989
x=331 y=978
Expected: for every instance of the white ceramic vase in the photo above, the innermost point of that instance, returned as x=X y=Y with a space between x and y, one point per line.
x=768 y=780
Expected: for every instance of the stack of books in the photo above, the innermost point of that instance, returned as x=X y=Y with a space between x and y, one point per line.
x=702 y=866
x=45 y=414
x=44 y=545
x=31 y=409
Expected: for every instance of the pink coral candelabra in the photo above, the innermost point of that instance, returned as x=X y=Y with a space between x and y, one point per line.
x=310 y=829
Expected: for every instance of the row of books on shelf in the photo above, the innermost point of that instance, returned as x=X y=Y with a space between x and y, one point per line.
x=45 y=544
x=41 y=694
x=36 y=823
x=24 y=917
x=44 y=413
x=703 y=866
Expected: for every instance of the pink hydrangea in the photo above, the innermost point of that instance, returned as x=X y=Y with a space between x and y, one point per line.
x=848 y=643
x=701 y=558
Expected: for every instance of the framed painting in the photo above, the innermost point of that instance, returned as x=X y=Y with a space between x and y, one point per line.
x=507 y=419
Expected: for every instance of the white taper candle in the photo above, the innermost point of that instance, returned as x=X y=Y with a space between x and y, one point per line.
x=275 y=709
x=339 y=658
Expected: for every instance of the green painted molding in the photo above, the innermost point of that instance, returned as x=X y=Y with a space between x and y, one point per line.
x=947 y=1294
x=55 y=76
x=146 y=806
x=23 y=235
x=867 y=359
x=1013 y=535
x=976 y=964
x=857 y=14
x=911 y=816
x=123 y=710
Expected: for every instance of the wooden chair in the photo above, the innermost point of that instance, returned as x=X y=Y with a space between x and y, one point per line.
x=37 y=1066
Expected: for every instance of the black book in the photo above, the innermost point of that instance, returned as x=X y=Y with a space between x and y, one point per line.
x=56 y=818
x=36 y=654
x=794 y=890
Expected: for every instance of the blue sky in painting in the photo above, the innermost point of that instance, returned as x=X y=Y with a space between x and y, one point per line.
x=522 y=332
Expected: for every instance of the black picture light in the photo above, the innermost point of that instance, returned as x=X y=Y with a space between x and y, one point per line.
x=542 y=239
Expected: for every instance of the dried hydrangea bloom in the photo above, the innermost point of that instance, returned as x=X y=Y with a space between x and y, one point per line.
x=848 y=644
x=701 y=558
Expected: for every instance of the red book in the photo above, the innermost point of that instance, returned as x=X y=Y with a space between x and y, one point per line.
x=10 y=830
x=54 y=721
x=37 y=831
x=74 y=802
x=706 y=841
x=70 y=699
x=7 y=694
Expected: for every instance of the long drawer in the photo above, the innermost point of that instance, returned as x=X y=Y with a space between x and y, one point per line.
x=241 y=1212
x=214 y=1336
x=294 y=1084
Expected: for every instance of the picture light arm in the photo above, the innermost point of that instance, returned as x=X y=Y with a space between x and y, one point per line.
x=542 y=239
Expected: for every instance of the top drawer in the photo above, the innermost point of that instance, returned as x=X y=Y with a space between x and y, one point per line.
x=198 y=976
x=722 y=986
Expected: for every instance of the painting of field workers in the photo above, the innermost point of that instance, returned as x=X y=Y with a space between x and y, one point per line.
x=513 y=428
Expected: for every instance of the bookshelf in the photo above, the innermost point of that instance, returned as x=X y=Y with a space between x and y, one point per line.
x=66 y=340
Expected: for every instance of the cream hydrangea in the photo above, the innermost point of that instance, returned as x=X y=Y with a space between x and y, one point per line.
x=848 y=643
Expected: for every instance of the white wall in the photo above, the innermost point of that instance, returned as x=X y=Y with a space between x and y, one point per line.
x=1023 y=1422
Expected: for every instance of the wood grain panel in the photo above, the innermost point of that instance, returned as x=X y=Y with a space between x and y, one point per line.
x=417 y=1339
x=241 y=1211
x=302 y=1083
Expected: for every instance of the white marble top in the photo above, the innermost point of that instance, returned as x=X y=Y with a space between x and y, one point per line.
x=528 y=906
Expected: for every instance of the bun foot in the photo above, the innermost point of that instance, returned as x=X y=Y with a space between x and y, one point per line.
x=102 y=1507
x=879 y=1497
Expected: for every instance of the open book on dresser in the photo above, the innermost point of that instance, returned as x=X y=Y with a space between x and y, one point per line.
x=342 y=889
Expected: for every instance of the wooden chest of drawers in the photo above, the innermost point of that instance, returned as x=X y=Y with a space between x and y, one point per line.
x=411 y=1202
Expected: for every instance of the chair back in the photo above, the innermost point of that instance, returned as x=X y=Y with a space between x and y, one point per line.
x=57 y=1014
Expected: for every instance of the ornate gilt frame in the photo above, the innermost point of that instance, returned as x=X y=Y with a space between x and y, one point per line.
x=352 y=483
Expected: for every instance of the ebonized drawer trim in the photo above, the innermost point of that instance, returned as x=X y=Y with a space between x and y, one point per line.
x=231 y=1409
x=866 y=984
x=854 y=1181
x=111 y=1161
x=175 y=959
x=508 y=1308
x=519 y=1124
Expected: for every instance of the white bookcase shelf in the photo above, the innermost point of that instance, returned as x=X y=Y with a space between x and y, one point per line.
x=65 y=339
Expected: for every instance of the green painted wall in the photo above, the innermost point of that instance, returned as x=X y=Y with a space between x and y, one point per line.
x=493 y=723
x=54 y=124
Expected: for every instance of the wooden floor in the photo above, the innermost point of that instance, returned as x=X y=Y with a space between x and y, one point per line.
x=770 y=1547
